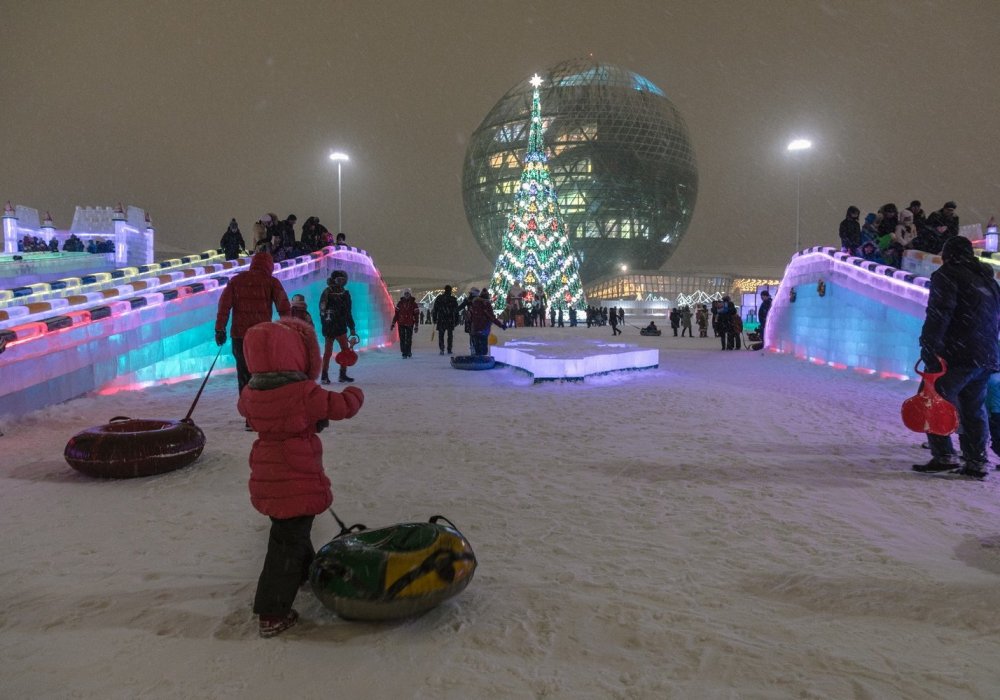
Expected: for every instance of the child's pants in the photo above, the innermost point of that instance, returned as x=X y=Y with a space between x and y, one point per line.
x=286 y=566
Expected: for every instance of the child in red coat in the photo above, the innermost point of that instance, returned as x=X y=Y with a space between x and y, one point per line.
x=283 y=403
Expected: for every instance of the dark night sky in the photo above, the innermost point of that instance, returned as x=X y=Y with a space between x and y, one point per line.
x=201 y=111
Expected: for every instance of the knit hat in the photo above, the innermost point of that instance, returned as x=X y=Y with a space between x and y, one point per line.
x=870 y=218
x=950 y=205
x=407 y=292
x=956 y=248
x=474 y=292
x=485 y=293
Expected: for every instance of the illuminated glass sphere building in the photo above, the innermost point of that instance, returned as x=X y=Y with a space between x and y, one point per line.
x=621 y=163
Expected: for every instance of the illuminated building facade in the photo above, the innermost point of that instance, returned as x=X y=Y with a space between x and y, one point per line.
x=620 y=159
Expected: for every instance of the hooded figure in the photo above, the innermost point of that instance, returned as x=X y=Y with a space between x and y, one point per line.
x=407 y=316
x=961 y=327
x=250 y=296
x=232 y=241
x=285 y=406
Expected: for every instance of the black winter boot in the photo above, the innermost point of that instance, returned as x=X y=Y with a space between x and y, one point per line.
x=343 y=375
x=325 y=379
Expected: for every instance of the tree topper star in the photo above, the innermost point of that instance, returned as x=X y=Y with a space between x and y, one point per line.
x=536 y=80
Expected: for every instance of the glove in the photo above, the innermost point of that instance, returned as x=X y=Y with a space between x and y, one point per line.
x=931 y=362
x=353 y=395
x=220 y=338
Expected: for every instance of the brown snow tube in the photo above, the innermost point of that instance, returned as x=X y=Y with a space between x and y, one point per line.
x=125 y=448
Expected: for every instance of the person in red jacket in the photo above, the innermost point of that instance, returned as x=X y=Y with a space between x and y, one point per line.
x=249 y=295
x=283 y=403
x=408 y=317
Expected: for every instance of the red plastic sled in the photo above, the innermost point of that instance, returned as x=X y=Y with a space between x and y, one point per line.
x=928 y=411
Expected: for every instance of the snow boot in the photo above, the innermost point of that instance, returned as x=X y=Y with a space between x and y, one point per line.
x=325 y=379
x=343 y=375
x=273 y=625
x=939 y=464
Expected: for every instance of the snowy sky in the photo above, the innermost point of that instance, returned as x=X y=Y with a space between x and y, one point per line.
x=200 y=112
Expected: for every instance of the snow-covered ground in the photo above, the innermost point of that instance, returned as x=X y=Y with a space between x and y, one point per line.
x=730 y=525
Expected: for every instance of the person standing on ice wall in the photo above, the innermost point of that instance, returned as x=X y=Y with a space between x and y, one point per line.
x=287 y=483
x=249 y=295
x=961 y=327
x=337 y=320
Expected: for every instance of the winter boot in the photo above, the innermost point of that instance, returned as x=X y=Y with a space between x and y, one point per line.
x=946 y=463
x=343 y=375
x=325 y=379
x=273 y=625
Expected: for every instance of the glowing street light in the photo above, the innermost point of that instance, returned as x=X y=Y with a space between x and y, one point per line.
x=340 y=158
x=793 y=147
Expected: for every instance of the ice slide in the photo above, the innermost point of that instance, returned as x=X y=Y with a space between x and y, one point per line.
x=838 y=310
x=136 y=326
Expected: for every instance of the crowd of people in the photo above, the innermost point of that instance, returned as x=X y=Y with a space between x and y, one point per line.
x=73 y=244
x=278 y=238
x=887 y=232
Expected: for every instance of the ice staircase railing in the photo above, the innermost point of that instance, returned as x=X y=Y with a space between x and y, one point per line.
x=107 y=306
x=11 y=299
x=102 y=290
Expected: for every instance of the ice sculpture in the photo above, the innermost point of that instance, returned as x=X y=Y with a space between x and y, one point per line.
x=156 y=329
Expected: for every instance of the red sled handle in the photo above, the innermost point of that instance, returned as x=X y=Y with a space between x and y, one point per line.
x=931 y=376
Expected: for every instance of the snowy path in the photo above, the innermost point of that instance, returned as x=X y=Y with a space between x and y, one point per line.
x=730 y=525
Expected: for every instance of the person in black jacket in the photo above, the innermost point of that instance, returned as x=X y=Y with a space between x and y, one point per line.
x=762 y=312
x=232 y=242
x=337 y=320
x=444 y=313
x=961 y=327
x=850 y=231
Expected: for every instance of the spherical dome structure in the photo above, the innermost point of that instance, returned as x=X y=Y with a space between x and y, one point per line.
x=621 y=162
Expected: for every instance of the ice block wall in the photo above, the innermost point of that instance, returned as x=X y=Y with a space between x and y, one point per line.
x=165 y=334
x=841 y=311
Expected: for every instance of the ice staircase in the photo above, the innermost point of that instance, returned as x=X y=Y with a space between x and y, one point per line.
x=152 y=325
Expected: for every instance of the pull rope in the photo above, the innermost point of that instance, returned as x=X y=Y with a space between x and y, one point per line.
x=187 y=418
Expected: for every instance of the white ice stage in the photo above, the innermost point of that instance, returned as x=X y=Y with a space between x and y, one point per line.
x=553 y=360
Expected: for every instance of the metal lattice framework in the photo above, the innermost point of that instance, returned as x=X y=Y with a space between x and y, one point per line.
x=620 y=158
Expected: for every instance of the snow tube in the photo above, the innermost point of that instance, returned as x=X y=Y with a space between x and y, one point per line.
x=392 y=572
x=646 y=331
x=125 y=448
x=473 y=362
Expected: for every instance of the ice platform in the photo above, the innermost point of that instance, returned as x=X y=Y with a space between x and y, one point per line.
x=554 y=360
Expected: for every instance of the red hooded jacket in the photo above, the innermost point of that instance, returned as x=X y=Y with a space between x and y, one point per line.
x=407 y=312
x=283 y=404
x=250 y=295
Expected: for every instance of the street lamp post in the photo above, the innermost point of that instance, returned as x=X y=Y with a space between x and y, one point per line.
x=340 y=158
x=795 y=146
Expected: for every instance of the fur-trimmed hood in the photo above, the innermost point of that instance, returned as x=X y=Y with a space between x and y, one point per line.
x=286 y=345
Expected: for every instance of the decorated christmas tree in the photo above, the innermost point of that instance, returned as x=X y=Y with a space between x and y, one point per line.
x=536 y=253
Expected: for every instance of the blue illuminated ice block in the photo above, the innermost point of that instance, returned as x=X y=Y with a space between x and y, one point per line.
x=845 y=312
x=166 y=334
